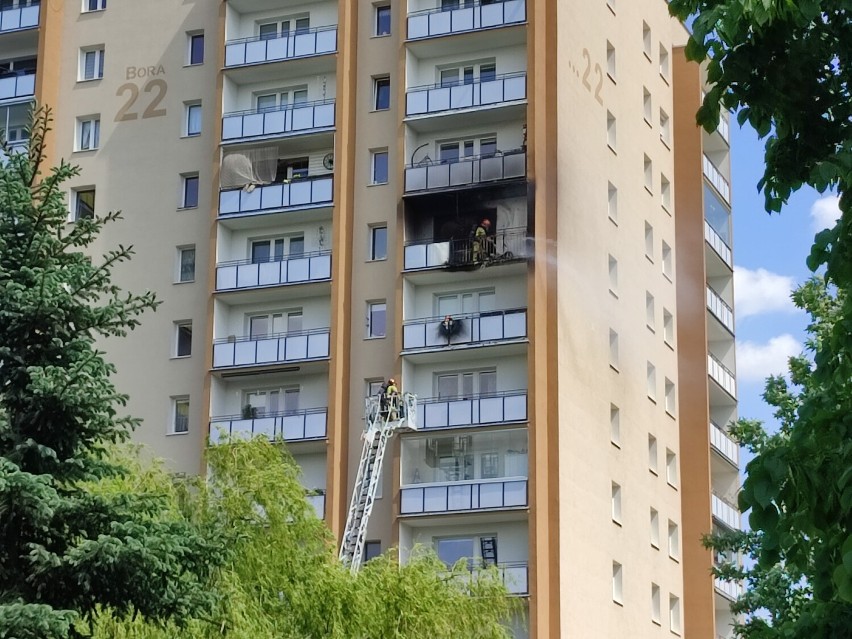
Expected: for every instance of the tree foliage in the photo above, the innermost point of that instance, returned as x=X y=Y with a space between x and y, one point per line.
x=284 y=579
x=66 y=549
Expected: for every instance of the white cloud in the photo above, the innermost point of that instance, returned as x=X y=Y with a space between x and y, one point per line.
x=755 y=362
x=761 y=291
x=825 y=212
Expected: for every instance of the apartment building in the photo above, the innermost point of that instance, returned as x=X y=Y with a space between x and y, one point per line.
x=302 y=181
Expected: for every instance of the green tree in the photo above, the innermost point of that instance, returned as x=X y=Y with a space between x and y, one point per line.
x=284 y=579
x=68 y=549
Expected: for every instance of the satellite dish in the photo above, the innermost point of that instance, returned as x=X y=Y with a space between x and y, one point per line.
x=328 y=161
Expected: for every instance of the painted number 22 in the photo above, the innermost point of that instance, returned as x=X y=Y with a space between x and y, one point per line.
x=158 y=86
x=598 y=73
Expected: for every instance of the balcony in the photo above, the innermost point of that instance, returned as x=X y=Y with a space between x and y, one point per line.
x=470 y=496
x=504 y=246
x=720 y=309
x=474 y=329
x=311 y=192
x=15 y=148
x=513 y=574
x=299 y=44
x=468 y=172
x=715 y=178
x=508 y=407
x=15 y=87
x=722 y=442
x=439 y=98
x=729 y=589
x=725 y=512
x=283 y=348
x=473 y=16
x=20 y=18
x=294 y=119
x=291 y=426
x=724 y=127
x=722 y=375
x=317 y=501
x=717 y=244
x=246 y=274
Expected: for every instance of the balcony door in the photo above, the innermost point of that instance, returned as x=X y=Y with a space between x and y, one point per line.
x=275 y=324
x=272 y=401
x=466 y=385
x=283 y=28
x=281 y=99
x=277 y=249
x=464 y=303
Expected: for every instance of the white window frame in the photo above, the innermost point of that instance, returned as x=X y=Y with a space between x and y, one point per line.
x=374 y=154
x=372 y=307
x=179 y=274
x=94 y=124
x=176 y=402
x=189 y=109
x=190 y=38
x=376 y=80
x=376 y=10
x=185 y=179
x=373 y=255
x=75 y=202
x=176 y=354
x=98 y=71
x=100 y=5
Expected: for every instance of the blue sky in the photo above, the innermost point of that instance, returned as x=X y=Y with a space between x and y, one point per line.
x=769 y=257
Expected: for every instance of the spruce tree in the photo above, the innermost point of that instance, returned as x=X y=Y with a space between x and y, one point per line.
x=67 y=549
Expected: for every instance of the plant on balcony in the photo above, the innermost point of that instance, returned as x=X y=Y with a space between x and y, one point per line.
x=70 y=546
x=249 y=412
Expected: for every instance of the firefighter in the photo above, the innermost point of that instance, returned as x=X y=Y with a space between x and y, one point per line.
x=390 y=400
x=482 y=241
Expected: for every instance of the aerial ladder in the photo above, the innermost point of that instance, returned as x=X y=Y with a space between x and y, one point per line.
x=383 y=416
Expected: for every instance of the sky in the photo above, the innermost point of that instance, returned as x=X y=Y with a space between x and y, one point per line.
x=769 y=261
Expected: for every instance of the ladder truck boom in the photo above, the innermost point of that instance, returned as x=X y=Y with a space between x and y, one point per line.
x=381 y=422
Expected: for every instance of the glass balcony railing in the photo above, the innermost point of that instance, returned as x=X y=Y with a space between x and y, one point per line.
x=470 y=329
x=716 y=179
x=469 y=15
x=505 y=245
x=438 y=98
x=717 y=244
x=722 y=442
x=722 y=375
x=19 y=18
x=299 y=44
x=480 y=410
x=291 y=269
x=290 y=426
x=317 y=500
x=15 y=148
x=513 y=574
x=485 y=494
x=725 y=512
x=17 y=86
x=469 y=171
x=271 y=349
x=308 y=192
x=293 y=119
x=720 y=309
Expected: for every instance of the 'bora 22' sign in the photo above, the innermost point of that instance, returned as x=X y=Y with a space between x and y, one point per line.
x=147 y=82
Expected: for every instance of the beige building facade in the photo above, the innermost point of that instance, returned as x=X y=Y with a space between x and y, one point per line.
x=306 y=184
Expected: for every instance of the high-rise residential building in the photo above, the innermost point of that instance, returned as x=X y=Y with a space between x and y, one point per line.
x=313 y=187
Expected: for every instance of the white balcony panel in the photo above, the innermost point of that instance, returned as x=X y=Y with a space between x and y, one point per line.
x=306 y=118
x=270 y=350
x=245 y=274
x=315 y=191
x=729 y=589
x=476 y=328
x=465 y=172
x=318 y=504
x=716 y=179
x=437 y=22
x=17 y=86
x=509 y=407
x=722 y=375
x=725 y=512
x=721 y=441
x=292 y=427
x=256 y=51
x=20 y=18
x=718 y=244
x=435 y=99
x=720 y=309
x=463 y=496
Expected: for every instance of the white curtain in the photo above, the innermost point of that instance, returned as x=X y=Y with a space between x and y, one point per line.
x=249 y=167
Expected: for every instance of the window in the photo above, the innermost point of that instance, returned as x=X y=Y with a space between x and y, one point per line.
x=655 y=529
x=265 y=402
x=189 y=191
x=195 y=42
x=671 y=397
x=451 y=549
x=383 y=20
x=647 y=109
x=84 y=204
x=183 y=339
x=193 y=119
x=372 y=549
x=674 y=541
x=655 y=604
x=275 y=323
x=649 y=174
x=646 y=40
x=186 y=264
x=652 y=382
x=664 y=63
x=94 y=5
x=281 y=98
x=612 y=202
x=649 y=242
x=665 y=128
x=613 y=349
x=610 y=61
x=668 y=328
x=617 y=586
x=466 y=384
x=88 y=133
x=652 y=454
x=92 y=63
x=381 y=93
x=616 y=503
x=374 y=386
x=376 y=319
x=180 y=416
x=380 y=167
x=667 y=261
x=615 y=425
x=378 y=242
x=610 y=130
x=282 y=28
x=671 y=468
x=277 y=249
x=665 y=193
x=613 y=275
x=650 y=315
x=674 y=614
x=289 y=169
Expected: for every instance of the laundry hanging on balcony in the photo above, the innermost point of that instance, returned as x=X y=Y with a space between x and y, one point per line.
x=249 y=168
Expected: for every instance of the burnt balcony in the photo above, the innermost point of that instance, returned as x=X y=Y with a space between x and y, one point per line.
x=271 y=349
x=298 y=193
x=294 y=119
x=505 y=245
x=289 y=426
x=486 y=409
x=469 y=330
x=493 y=92
x=297 y=44
x=468 y=172
x=468 y=16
